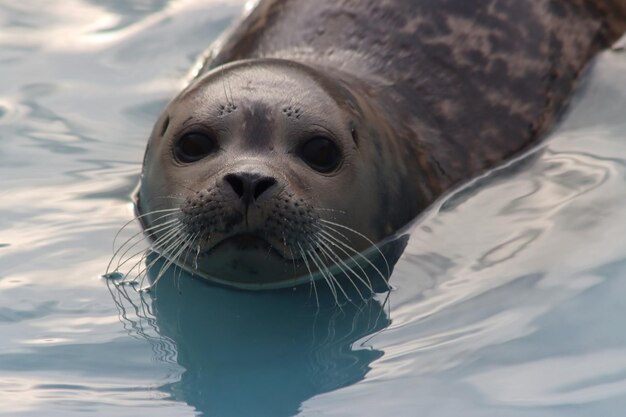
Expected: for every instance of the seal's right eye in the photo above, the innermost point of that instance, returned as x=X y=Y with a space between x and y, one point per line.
x=194 y=146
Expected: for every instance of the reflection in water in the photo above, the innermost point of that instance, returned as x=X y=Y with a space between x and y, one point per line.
x=252 y=353
x=130 y=11
x=563 y=176
x=575 y=379
x=543 y=191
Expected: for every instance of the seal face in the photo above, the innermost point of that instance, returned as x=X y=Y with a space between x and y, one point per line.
x=265 y=183
x=323 y=127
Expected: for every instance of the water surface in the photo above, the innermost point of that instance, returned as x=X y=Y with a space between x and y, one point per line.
x=507 y=302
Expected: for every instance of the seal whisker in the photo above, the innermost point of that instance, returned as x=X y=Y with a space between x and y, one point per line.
x=191 y=241
x=330 y=276
x=144 y=272
x=311 y=280
x=188 y=251
x=375 y=246
x=159 y=228
x=142 y=261
x=357 y=253
x=142 y=236
x=130 y=258
x=338 y=232
x=329 y=209
x=179 y=239
x=327 y=256
x=193 y=190
x=135 y=265
x=330 y=284
x=195 y=260
x=314 y=285
x=293 y=256
x=338 y=261
x=137 y=218
x=160 y=247
x=333 y=240
x=168 y=263
x=171 y=197
x=224 y=87
x=230 y=89
x=144 y=253
x=169 y=259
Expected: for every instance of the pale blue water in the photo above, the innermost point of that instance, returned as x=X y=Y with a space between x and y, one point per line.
x=509 y=301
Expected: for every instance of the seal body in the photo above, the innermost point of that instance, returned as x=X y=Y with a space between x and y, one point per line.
x=316 y=129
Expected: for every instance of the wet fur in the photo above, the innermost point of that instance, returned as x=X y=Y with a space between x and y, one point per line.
x=461 y=85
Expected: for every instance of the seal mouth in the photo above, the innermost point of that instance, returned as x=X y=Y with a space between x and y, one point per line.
x=246 y=242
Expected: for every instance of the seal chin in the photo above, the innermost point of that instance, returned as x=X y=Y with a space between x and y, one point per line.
x=247 y=260
x=245 y=243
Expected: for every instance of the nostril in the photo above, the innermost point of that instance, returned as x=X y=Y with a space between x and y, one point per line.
x=249 y=186
x=262 y=186
x=236 y=184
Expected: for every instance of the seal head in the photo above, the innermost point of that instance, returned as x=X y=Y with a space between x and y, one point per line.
x=259 y=174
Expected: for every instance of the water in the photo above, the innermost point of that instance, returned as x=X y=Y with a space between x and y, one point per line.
x=508 y=300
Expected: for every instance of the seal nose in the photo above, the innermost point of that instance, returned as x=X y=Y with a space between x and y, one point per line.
x=248 y=186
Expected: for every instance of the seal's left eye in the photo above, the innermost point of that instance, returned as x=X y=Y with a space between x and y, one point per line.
x=194 y=146
x=321 y=154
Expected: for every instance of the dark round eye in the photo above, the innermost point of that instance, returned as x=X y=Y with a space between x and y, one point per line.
x=194 y=146
x=321 y=154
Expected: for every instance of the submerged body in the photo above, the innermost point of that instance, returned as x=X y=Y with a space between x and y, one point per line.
x=319 y=128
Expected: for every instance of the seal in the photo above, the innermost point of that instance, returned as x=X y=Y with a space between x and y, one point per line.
x=315 y=130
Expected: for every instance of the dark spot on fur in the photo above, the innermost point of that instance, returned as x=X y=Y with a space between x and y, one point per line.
x=557 y=9
x=426 y=30
x=499 y=69
x=476 y=57
x=496 y=44
x=441 y=51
